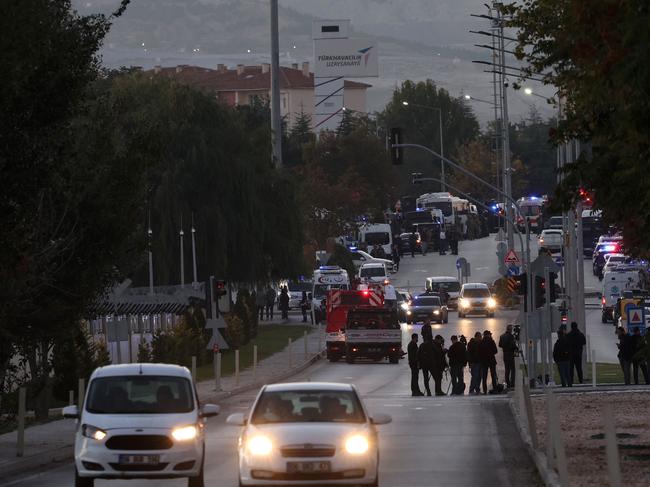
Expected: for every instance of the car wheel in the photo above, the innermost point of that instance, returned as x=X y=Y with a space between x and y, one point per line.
x=393 y=360
x=83 y=481
x=349 y=358
x=198 y=480
x=604 y=318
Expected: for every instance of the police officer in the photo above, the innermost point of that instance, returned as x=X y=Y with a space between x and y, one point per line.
x=412 y=350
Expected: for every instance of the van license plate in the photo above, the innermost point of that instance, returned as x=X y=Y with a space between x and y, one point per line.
x=309 y=467
x=139 y=459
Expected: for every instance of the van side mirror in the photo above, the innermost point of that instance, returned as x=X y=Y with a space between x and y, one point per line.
x=236 y=419
x=71 y=412
x=209 y=410
x=380 y=418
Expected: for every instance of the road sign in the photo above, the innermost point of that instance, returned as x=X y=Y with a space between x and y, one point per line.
x=511 y=257
x=514 y=270
x=461 y=262
x=559 y=260
x=635 y=319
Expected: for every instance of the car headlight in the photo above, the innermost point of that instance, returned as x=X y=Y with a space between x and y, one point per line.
x=436 y=312
x=185 y=433
x=357 y=445
x=409 y=312
x=405 y=306
x=259 y=445
x=492 y=303
x=93 y=432
x=464 y=303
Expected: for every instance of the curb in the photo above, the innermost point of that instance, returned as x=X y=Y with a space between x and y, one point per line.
x=549 y=477
x=66 y=452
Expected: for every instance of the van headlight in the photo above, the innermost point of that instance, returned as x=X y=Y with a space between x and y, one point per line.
x=492 y=303
x=259 y=445
x=464 y=303
x=93 y=432
x=405 y=306
x=357 y=445
x=436 y=312
x=409 y=312
x=185 y=433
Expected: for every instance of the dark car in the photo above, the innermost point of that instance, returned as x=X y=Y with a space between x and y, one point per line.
x=427 y=306
x=403 y=300
x=405 y=239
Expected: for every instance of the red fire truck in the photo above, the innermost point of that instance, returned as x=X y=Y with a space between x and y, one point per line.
x=339 y=303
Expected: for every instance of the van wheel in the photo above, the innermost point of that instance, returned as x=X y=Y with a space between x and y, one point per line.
x=83 y=481
x=604 y=318
x=198 y=480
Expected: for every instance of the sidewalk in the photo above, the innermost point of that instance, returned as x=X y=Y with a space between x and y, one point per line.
x=53 y=442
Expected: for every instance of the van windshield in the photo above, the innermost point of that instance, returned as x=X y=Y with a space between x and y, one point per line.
x=320 y=290
x=476 y=292
x=140 y=394
x=372 y=272
x=448 y=286
x=377 y=238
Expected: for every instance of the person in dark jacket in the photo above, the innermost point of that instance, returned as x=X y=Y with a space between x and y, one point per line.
x=638 y=361
x=508 y=344
x=396 y=256
x=426 y=356
x=413 y=239
x=439 y=363
x=626 y=352
x=304 y=306
x=487 y=352
x=270 y=302
x=562 y=357
x=412 y=350
x=577 y=341
x=284 y=303
x=457 y=361
x=474 y=363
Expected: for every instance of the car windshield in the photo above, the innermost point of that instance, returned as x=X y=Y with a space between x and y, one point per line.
x=476 y=292
x=300 y=286
x=140 y=394
x=377 y=238
x=448 y=286
x=444 y=206
x=372 y=272
x=615 y=258
x=555 y=221
x=308 y=407
x=530 y=210
x=426 y=301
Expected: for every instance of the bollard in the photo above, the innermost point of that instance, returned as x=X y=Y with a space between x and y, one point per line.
x=70 y=398
x=556 y=437
x=217 y=371
x=306 y=345
x=82 y=393
x=20 y=438
x=532 y=426
x=589 y=356
x=320 y=339
x=593 y=368
x=613 y=464
x=289 y=350
x=237 y=367
x=194 y=368
x=254 y=362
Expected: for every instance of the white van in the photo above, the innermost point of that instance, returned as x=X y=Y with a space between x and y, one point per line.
x=615 y=282
x=373 y=273
x=377 y=234
x=451 y=285
x=327 y=277
x=140 y=421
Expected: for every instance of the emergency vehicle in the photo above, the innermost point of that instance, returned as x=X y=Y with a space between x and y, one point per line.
x=326 y=278
x=339 y=303
x=372 y=332
x=532 y=208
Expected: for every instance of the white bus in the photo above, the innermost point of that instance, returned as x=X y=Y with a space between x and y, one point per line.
x=442 y=201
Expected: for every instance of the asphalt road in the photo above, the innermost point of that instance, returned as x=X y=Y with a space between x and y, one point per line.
x=450 y=441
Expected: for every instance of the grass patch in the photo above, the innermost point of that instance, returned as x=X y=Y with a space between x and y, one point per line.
x=270 y=339
x=605 y=374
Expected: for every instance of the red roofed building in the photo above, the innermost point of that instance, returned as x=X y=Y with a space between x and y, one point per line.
x=241 y=85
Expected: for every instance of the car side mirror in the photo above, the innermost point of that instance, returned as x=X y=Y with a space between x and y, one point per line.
x=71 y=412
x=380 y=418
x=209 y=410
x=236 y=419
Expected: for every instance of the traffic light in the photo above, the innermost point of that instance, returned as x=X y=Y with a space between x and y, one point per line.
x=396 y=153
x=220 y=288
x=541 y=287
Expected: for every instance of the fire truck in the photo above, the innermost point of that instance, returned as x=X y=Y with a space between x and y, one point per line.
x=339 y=303
x=373 y=332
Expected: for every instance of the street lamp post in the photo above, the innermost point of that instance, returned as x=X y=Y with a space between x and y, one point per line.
x=443 y=184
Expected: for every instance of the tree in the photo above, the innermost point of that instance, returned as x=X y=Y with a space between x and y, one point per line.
x=419 y=121
x=596 y=54
x=299 y=135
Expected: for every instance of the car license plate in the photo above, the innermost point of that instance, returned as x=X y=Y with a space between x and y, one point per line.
x=139 y=459
x=374 y=350
x=309 y=467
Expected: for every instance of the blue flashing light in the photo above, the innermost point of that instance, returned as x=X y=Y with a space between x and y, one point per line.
x=352 y=247
x=329 y=268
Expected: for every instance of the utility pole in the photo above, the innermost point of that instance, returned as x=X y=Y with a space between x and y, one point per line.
x=442 y=153
x=276 y=117
x=181 y=235
x=149 y=236
x=194 y=277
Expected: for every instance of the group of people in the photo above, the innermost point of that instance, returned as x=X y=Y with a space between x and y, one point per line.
x=266 y=300
x=567 y=354
x=433 y=359
x=630 y=357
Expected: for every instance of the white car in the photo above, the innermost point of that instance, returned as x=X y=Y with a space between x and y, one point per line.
x=476 y=298
x=359 y=257
x=612 y=261
x=308 y=433
x=140 y=421
x=551 y=239
x=373 y=273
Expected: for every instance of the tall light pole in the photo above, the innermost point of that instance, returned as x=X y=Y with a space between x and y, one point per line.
x=194 y=278
x=276 y=116
x=181 y=235
x=149 y=238
x=443 y=184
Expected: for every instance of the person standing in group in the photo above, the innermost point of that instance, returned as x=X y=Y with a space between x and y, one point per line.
x=639 y=362
x=474 y=360
x=443 y=241
x=270 y=302
x=562 y=358
x=487 y=353
x=426 y=355
x=412 y=350
x=396 y=256
x=424 y=241
x=260 y=302
x=508 y=344
x=457 y=361
x=304 y=306
x=439 y=363
x=625 y=353
x=390 y=297
x=413 y=241
x=577 y=342
x=284 y=303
